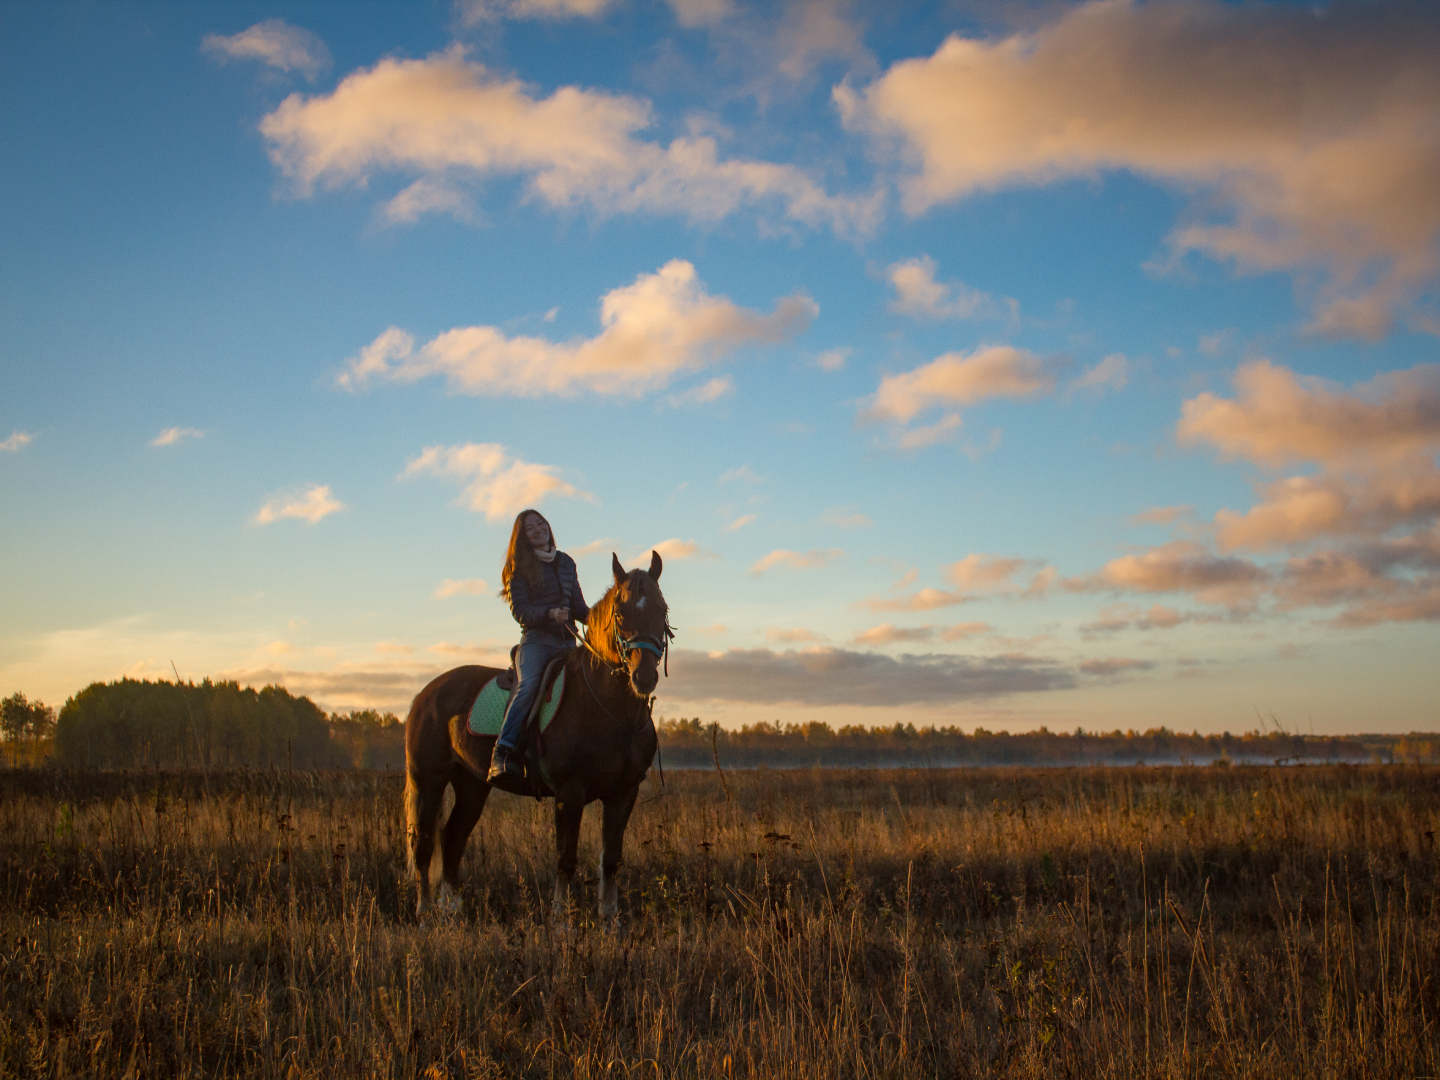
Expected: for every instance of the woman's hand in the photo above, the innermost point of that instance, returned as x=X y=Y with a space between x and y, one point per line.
x=560 y=614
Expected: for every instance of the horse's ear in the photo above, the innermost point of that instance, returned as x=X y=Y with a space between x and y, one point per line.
x=655 y=565
x=617 y=569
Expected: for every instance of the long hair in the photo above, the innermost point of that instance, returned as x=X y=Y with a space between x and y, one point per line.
x=520 y=556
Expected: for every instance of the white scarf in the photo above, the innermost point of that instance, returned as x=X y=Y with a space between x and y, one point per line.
x=546 y=556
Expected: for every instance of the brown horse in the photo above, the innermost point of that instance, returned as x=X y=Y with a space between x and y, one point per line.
x=598 y=746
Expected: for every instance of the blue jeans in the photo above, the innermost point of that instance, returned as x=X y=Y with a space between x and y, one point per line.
x=537 y=649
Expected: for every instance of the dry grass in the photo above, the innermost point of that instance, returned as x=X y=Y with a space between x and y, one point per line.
x=1137 y=922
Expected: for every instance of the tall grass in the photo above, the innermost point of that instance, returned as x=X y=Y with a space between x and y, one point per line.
x=1137 y=922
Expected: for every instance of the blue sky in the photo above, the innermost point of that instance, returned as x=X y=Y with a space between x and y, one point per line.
x=980 y=364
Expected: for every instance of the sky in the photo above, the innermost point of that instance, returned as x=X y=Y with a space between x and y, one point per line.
x=993 y=364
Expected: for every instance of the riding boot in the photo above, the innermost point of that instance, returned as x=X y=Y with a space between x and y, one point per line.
x=507 y=770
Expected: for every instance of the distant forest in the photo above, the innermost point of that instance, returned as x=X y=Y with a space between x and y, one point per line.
x=133 y=723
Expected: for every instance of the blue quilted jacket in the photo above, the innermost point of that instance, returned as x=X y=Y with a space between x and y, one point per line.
x=559 y=587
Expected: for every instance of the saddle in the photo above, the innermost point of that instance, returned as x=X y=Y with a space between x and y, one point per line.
x=488 y=713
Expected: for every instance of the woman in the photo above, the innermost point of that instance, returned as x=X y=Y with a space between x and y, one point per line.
x=543 y=590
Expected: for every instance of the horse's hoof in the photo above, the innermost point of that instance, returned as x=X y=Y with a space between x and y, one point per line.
x=447 y=901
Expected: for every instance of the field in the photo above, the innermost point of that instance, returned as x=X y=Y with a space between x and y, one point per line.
x=1221 y=921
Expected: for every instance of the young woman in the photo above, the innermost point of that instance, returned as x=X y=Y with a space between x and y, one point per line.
x=543 y=590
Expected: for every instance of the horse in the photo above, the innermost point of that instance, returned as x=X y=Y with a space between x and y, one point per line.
x=598 y=746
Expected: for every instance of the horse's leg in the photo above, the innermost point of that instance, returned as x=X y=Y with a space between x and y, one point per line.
x=424 y=796
x=470 y=795
x=569 y=809
x=612 y=844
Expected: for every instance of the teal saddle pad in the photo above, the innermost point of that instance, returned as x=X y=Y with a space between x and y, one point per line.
x=489 y=708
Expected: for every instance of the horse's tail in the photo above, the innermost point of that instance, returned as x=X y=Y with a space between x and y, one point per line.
x=413 y=825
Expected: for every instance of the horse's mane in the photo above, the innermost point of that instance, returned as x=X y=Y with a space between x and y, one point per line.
x=604 y=617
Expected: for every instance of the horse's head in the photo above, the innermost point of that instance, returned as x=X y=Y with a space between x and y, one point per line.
x=641 y=629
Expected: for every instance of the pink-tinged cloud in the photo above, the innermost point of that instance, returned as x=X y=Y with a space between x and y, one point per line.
x=959 y=379
x=890 y=634
x=309 y=506
x=926 y=599
x=492 y=482
x=1162 y=515
x=450 y=120
x=1180 y=566
x=661 y=326
x=814 y=559
x=1259 y=110
x=1278 y=418
x=274 y=43
x=790 y=635
x=965 y=630
x=984 y=572
x=461 y=587
x=917 y=293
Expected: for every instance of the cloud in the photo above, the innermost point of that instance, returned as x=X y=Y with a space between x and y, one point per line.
x=661 y=326
x=744 y=472
x=965 y=630
x=832 y=359
x=171 y=436
x=957 y=379
x=427 y=196
x=741 y=522
x=926 y=599
x=1180 y=566
x=918 y=293
x=1162 y=515
x=447 y=119
x=673 y=550
x=695 y=13
x=845 y=517
x=474 y=11
x=713 y=390
x=985 y=572
x=1278 y=417
x=603 y=544
x=278 y=648
x=1115 y=666
x=492 y=482
x=381 y=685
x=829 y=676
x=795 y=636
x=1112 y=373
x=1117 y=617
x=1257 y=109
x=890 y=634
x=814 y=559
x=273 y=42
x=16 y=440
x=316 y=502
x=461 y=587
x=946 y=429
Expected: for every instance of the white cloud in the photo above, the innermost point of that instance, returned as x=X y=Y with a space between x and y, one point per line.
x=713 y=390
x=16 y=441
x=446 y=119
x=461 y=587
x=832 y=359
x=492 y=482
x=273 y=42
x=661 y=326
x=813 y=559
x=1112 y=373
x=171 y=436
x=1256 y=108
x=672 y=550
x=918 y=293
x=695 y=13
x=309 y=506
x=740 y=522
x=605 y=543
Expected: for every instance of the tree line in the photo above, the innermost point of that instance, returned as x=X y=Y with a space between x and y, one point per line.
x=133 y=723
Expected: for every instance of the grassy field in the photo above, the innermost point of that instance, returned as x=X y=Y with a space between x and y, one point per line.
x=1089 y=922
